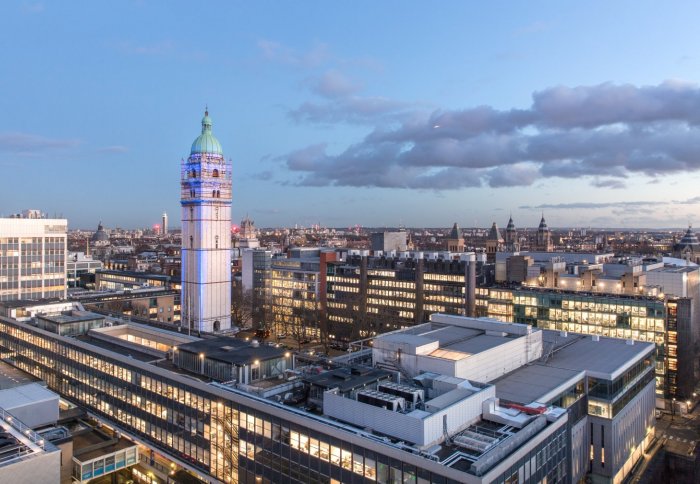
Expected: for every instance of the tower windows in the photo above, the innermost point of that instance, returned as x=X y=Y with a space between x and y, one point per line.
x=215 y=173
x=213 y=194
x=191 y=213
x=216 y=242
x=217 y=194
x=193 y=173
x=191 y=242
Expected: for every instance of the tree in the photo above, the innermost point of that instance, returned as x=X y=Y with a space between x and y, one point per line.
x=242 y=309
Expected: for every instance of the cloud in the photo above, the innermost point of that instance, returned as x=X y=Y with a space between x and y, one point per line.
x=604 y=132
x=352 y=110
x=265 y=175
x=280 y=53
x=116 y=149
x=635 y=204
x=25 y=143
x=609 y=183
x=333 y=84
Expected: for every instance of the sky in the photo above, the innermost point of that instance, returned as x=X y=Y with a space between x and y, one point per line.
x=356 y=112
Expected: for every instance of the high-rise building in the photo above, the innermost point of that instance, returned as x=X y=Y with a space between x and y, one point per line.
x=365 y=296
x=206 y=234
x=32 y=257
x=164 y=224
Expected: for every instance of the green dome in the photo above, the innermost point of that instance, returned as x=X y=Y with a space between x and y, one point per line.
x=206 y=142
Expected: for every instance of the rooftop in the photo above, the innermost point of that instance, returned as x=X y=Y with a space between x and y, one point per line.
x=599 y=356
x=73 y=316
x=11 y=377
x=535 y=383
x=232 y=350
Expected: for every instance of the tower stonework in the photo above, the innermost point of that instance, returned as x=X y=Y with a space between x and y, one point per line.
x=206 y=235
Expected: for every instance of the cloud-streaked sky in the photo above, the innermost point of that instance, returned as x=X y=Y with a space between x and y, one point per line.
x=362 y=112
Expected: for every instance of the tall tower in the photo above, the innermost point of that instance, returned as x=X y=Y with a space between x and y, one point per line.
x=455 y=241
x=494 y=243
x=544 y=237
x=164 y=225
x=511 y=240
x=206 y=235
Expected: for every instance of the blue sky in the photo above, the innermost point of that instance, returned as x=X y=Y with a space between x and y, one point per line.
x=343 y=113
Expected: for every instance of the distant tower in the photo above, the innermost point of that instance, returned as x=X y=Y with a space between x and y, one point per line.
x=206 y=234
x=494 y=243
x=689 y=247
x=248 y=238
x=511 y=239
x=164 y=225
x=455 y=242
x=544 y=237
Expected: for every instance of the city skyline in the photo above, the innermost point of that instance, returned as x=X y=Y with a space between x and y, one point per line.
x=484 y=118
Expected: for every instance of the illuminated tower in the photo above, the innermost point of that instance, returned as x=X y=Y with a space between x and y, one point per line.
x=206 y=235
x=164 y=225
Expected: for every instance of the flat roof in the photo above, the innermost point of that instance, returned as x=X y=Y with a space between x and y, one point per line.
x=86 y=440
x=347 y=379
x=73 y=316
x=232 y=350
x=128 y=352
x=606 y=358
x=25 y=395
x=11 y=377
x=535 y=383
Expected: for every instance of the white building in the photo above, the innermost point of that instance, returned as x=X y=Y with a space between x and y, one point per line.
x=206 y=234
x=32 y=257
x=164 y=224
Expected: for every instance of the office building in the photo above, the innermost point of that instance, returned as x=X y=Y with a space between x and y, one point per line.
x=164 y=224
x=454 y=400
x=296 y=291
x=255 y=279
x=32 y=257
x=206 y=234
x=79 y=266
x=369 y=295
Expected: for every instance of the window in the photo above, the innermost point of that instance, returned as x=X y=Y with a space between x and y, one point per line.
x=216 y=242
x=215 y=173
x=191 y=242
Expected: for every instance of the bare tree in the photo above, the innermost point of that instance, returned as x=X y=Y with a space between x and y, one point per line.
x=242 y=309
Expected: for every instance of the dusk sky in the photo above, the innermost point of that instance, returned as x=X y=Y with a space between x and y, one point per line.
x=358 y=112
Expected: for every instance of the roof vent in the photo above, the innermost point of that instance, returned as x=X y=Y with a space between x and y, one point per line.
x=563 y=334
x=596 y=337
x=630 y=341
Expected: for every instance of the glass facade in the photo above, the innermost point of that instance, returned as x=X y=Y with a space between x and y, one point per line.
x=388 y=298
x=639 y=318
x=197 y=424
x=32 y=267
